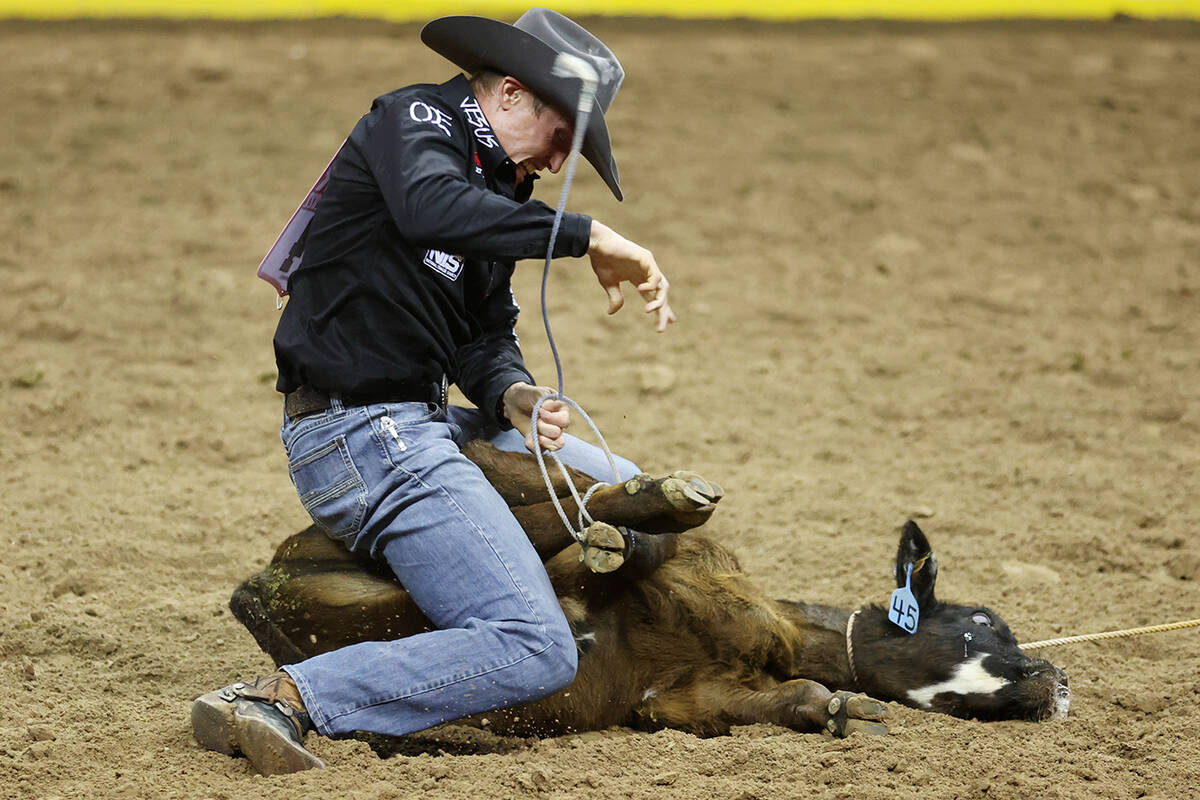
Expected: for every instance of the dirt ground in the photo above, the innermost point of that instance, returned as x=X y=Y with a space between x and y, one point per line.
x=944 y=272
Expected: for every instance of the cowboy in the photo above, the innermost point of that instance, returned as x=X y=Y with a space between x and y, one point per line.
x=404 y=288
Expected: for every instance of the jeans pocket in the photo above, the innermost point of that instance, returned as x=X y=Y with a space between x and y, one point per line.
x=331 y=488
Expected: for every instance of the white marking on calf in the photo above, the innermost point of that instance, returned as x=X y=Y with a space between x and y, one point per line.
x=969 y=678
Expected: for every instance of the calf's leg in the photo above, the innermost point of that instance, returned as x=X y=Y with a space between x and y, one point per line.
x=710 y=706
x=672 y=504
x=516 y=475
x=684 y=497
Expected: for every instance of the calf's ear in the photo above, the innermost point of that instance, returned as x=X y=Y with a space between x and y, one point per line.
x=914 y=549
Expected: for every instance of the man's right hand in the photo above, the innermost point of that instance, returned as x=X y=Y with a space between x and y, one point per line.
x=553 y=417
x=616 y=259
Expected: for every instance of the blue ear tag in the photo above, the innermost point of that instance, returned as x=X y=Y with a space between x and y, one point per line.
x=905 y=612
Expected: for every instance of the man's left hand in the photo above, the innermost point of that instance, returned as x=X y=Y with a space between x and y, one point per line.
x=553 y=417
x=615 y=259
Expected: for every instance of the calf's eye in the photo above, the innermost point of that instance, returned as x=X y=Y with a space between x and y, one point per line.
x=979 y=618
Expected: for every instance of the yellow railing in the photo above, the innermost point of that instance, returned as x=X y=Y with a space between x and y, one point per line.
x=407 y=10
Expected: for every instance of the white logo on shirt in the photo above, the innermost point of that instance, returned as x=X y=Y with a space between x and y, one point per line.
x=475 y=115
x=423 y=112
x=444 y=264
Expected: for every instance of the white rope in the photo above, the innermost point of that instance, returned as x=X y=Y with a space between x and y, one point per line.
x=581 y=502
x=583 y=519
x=568 y=66
x=850 y=646
x=1093 y=637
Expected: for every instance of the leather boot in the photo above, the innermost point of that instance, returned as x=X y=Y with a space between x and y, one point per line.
x=264 y=721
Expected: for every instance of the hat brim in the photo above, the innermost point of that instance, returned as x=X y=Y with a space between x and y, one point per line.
x=475 y=43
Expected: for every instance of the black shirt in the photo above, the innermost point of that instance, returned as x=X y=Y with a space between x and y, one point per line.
x=407 y=263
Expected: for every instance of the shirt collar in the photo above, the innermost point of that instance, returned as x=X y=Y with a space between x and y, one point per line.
x=489 y=155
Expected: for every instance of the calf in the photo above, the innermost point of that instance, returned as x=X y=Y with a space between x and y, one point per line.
x=677 y=636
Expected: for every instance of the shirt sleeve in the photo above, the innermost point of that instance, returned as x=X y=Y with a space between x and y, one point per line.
x=493 y=362
x=419 y=153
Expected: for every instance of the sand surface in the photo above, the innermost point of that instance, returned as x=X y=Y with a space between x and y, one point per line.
x=943 y=272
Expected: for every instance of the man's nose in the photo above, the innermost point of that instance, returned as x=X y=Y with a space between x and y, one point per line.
x=556 y=161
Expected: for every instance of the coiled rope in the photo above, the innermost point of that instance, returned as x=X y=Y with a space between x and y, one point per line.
x=1092 y=637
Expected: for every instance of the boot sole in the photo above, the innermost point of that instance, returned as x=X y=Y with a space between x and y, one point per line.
x=212 y=724
x=270 y=753
x=220 y=726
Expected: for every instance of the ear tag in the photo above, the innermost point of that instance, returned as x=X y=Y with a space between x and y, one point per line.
x=905 y=612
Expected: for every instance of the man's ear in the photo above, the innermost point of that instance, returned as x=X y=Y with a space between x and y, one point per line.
x=511 y=91
x=914 y=549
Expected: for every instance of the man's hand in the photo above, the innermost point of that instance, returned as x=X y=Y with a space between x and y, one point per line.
x=615 y=259
x=553 y=417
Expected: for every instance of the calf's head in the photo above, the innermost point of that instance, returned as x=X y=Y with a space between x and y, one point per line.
x=961 y=660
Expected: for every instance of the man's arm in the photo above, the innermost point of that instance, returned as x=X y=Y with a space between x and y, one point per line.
x=418 y=152
x=419 y=159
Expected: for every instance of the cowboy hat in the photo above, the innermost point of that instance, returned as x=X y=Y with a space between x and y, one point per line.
x=526 y=50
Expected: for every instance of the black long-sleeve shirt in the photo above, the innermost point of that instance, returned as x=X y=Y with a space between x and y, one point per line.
x=408 y=259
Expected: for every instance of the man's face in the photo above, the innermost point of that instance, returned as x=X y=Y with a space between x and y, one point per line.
x=534 y=141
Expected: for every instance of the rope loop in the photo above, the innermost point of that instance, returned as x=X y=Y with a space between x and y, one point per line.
x=584 y=519
x=581 y=502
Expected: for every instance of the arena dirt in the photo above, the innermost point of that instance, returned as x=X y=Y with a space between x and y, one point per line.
x=943 y=272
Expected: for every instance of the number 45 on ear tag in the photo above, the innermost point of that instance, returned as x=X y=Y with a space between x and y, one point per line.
x=905 y=612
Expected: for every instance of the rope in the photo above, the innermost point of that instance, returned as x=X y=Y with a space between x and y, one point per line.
x=541 y=459
x=583 y=112
x=850 y=646
x=1092 y=637
x=572 y=160
x=581 y=120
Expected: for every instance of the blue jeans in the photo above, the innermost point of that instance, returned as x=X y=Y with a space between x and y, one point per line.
x=388 y=480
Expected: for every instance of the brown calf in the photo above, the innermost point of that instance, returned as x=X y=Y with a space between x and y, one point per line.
x=679 y=637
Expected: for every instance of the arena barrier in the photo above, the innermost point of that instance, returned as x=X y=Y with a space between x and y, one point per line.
x=416 y=10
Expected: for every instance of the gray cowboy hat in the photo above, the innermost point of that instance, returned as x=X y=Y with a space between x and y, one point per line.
x=526 y=50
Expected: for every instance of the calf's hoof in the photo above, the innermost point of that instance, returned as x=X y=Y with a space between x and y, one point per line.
x=687 y=491
x=603 y=548
x=854 y=713
x=673 y=504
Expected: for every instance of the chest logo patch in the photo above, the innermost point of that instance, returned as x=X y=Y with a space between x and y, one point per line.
x=444 y=264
